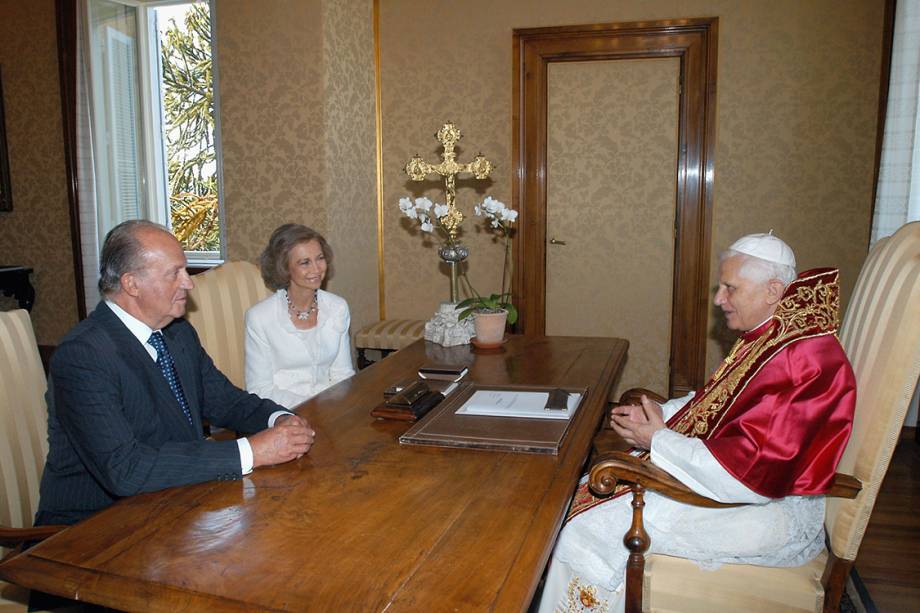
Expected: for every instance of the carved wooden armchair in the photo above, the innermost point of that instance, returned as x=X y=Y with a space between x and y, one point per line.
x=23 y=443
x=217 y=308
x=881 y=336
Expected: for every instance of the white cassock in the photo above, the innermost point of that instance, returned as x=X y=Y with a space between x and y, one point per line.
x=768 y=532
x=288 y=365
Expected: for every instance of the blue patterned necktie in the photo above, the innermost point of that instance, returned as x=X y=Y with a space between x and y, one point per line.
x=165 y=362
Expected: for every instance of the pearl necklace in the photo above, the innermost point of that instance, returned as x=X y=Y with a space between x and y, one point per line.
x=301 y=315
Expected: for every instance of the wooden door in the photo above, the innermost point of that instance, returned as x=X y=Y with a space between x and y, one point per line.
x=610 y=164
x=627 y=188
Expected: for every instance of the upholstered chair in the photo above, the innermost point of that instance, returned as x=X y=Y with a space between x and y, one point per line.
x=23 y=443
x=881 y=336
x=217 y=308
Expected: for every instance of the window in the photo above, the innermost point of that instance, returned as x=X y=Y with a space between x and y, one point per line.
x=154 y=120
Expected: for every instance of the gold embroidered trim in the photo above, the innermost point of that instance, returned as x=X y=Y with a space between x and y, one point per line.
x=581 y=598
x=809 y=308
x=807 y=311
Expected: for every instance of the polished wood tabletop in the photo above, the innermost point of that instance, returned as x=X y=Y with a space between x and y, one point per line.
x=361 y=523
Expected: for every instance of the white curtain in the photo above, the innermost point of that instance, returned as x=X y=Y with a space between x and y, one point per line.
x=898 y=198
x=86 y=178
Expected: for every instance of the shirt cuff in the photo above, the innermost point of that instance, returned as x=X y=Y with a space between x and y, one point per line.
x=672 y=406
x=246 y=460
x=274 y=417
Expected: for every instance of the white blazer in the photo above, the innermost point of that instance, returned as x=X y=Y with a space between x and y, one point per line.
x=288 y=365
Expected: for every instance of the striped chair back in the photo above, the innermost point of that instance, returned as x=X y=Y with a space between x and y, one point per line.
x=217 y=308
x=23 y=420
x=881 y=336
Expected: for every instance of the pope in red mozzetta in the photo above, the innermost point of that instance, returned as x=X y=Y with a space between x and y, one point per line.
x=767 y=429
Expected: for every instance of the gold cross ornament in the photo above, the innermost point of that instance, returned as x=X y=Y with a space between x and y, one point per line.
x=418 y=169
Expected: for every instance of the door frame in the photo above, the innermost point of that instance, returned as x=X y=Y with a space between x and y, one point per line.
x=694 y=43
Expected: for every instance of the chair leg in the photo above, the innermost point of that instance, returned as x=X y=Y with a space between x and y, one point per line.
x=834 y=581
x=637 y=542
x=363 y=362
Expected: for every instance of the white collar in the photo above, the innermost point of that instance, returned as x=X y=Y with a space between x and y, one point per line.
x=760 y=324
x=138 y=329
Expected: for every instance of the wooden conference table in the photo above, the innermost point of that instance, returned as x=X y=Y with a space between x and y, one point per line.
x=361 y=523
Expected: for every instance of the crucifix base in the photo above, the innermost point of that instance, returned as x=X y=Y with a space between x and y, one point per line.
x=445 y=329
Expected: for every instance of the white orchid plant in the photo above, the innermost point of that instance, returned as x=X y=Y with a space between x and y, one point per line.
x=428 y=214
x=497 y=218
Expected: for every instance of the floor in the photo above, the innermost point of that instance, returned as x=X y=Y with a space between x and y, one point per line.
x=889 y=558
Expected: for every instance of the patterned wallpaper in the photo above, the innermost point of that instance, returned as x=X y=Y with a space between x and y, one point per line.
x=297 y=125
x=350 y=153
x=611 y=154
x=37 y=232
x=796 y=112
x=271 y=113
x=797 y=89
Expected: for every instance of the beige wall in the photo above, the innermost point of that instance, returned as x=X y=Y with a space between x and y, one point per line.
x=270 y=58
x=796 y=111
x=349 y=149
x=796 y=114
x=297 y=102
x=37 y=232
x=297 y=126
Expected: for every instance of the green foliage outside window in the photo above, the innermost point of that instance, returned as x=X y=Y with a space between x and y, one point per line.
x=188 y=101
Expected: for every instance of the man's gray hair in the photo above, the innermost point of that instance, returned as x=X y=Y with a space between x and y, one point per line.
x=759 y=270
x=122 y=252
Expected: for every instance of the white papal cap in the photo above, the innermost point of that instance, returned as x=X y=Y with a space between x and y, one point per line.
x=766 y=247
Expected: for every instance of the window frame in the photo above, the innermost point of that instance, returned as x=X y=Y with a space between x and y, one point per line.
x=152 y=163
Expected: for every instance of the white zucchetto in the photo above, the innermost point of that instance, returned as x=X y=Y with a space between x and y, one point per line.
x=766 y=247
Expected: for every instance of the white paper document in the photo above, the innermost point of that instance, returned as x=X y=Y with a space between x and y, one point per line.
x=530 y=405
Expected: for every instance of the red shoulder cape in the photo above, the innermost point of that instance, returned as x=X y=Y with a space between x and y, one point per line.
x=778 y=411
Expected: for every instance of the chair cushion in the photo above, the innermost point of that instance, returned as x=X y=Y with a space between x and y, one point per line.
x=676 y=584
x=217 y=308
x=390 y=334
x=23 y=420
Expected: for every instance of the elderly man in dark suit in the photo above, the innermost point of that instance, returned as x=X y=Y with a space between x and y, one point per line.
x=130 y=385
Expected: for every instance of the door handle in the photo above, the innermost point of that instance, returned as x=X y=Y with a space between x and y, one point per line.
x=554 y=241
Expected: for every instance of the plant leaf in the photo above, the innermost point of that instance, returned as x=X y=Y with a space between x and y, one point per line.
x=512 y=313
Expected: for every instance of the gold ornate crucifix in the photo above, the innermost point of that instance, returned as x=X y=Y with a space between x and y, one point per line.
x=418 y=169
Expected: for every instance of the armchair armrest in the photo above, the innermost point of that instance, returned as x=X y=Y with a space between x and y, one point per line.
x=617 y=466
x=630 y=396
x=634 y=396
x=13 y=537
x=845 y=486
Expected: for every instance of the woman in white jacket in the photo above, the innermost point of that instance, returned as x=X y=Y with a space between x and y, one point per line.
x=297 y=341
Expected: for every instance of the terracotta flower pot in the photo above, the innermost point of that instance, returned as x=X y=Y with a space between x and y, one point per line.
x=490 y=327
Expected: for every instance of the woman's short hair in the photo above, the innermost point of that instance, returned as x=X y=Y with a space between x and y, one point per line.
x=274 y=259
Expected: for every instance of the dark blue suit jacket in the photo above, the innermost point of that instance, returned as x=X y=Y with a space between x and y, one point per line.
x=115 y=428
